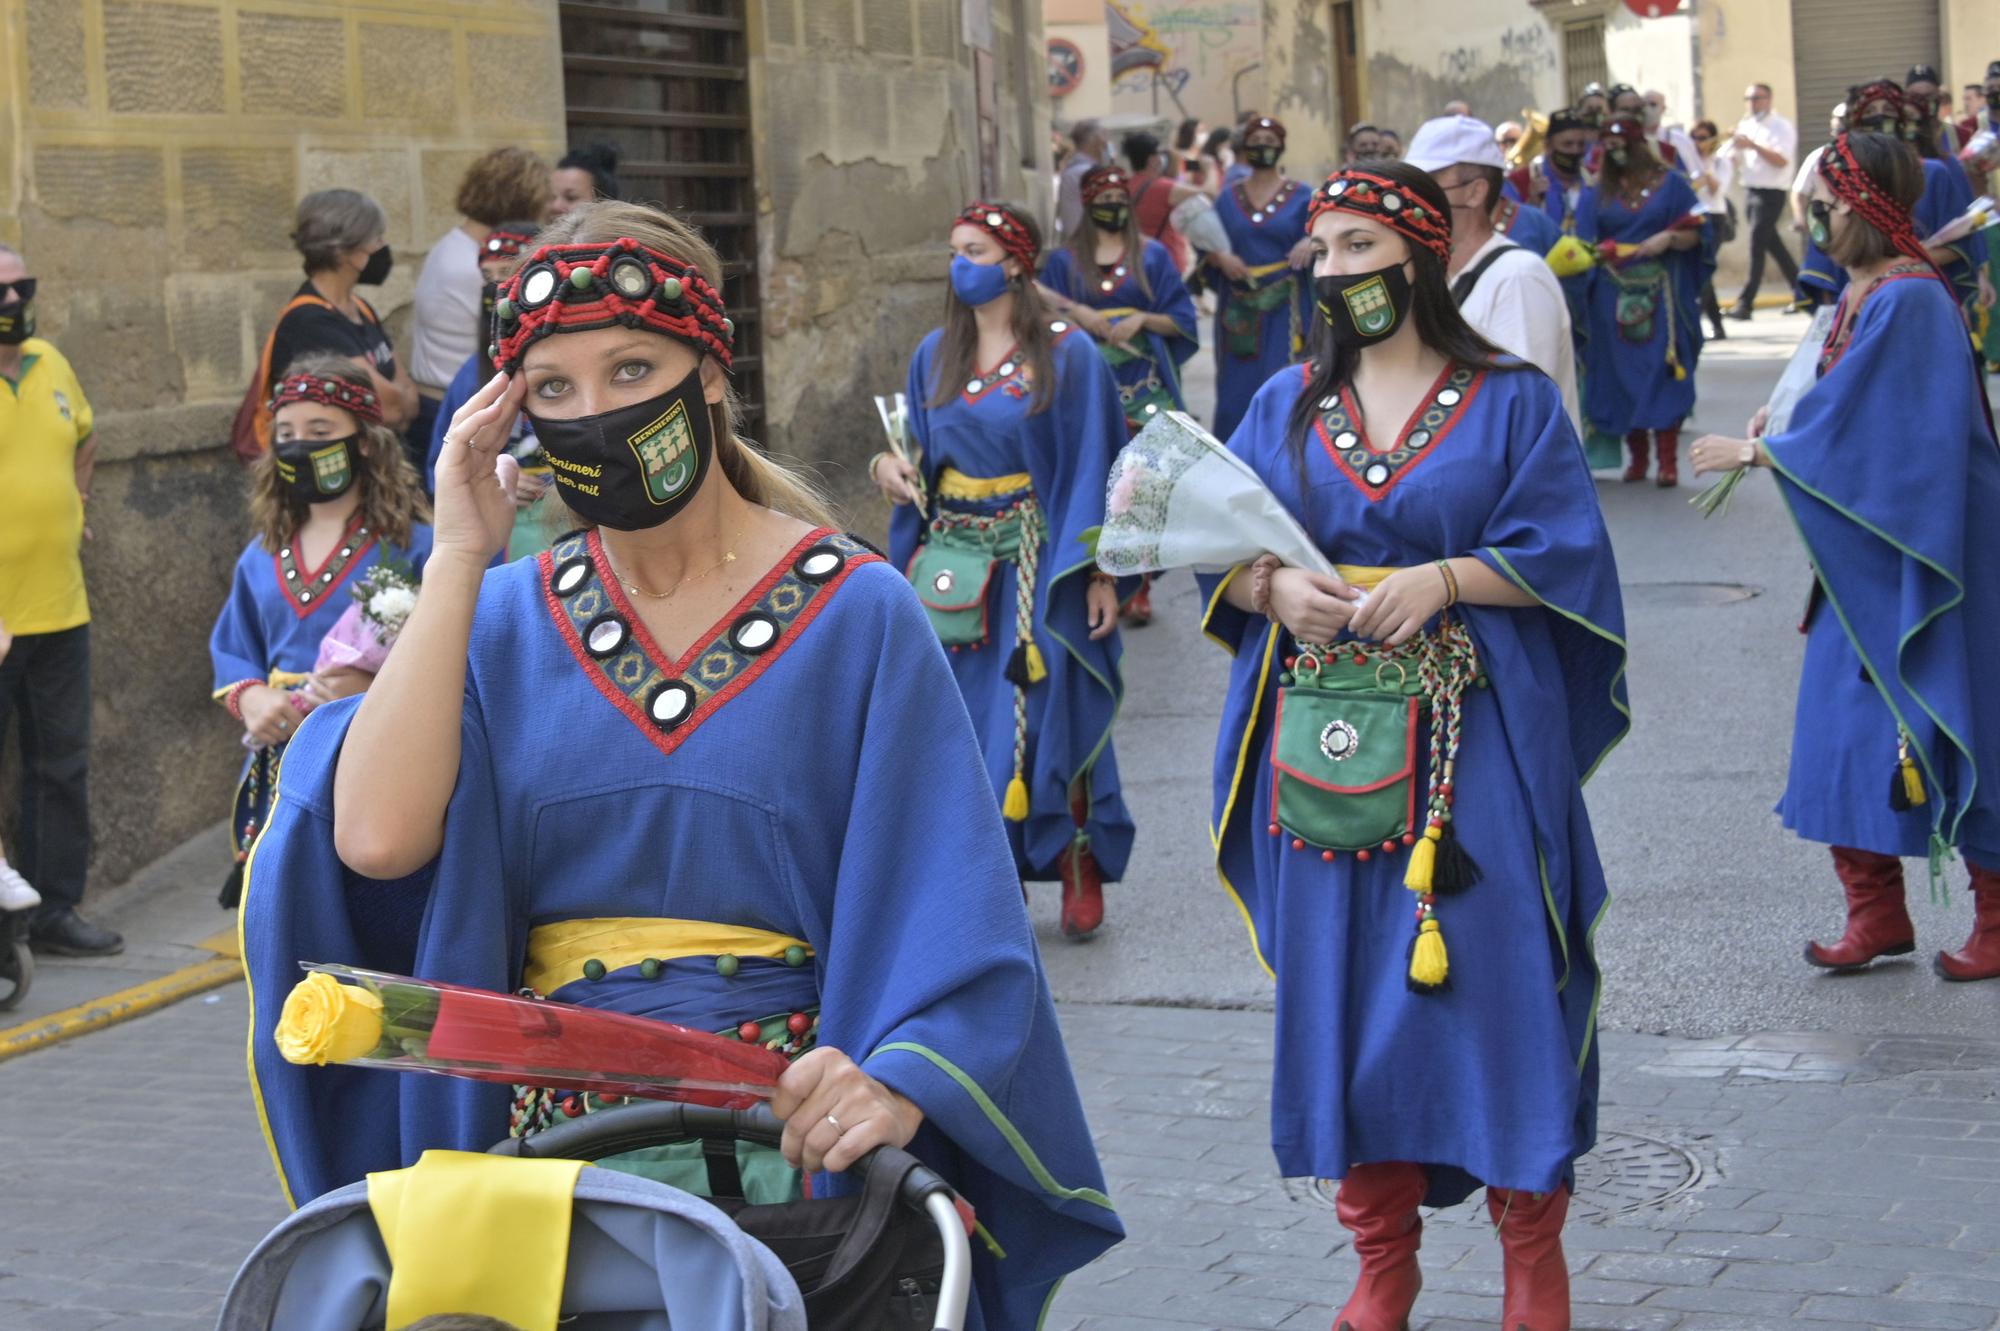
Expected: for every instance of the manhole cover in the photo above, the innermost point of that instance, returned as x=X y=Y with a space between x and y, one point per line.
x=1683 y=594
x=1627 y=1173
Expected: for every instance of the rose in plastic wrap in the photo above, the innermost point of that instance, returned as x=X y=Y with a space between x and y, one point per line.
x=325 y=1021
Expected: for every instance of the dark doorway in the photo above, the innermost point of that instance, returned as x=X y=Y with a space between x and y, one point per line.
x=666 y=83
x=1346 y=64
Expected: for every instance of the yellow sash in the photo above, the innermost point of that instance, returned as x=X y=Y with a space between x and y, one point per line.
x=1367 y=579
x=955 y=484
x=557 y=952
x=479 y=1234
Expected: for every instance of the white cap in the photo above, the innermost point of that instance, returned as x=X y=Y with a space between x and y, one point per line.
x=1451 y=141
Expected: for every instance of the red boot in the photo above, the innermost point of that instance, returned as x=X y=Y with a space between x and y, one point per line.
x=1878 y=925
x=1537 y=1277
x=1979 y=959
x=1669 y=444
x=1082 y=893
x=1378 y=1203
x=1637 y=444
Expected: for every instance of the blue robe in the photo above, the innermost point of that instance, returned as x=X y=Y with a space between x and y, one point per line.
x=1907 y=552
x=813 y=789
x=271 y=634
x=1947 y=194
x=1161 y=356
x=1532 y=229
x=1067 y=451
x=1493 y=1080
x=1260 y=237
x=1630 y=384
x=1555 y=199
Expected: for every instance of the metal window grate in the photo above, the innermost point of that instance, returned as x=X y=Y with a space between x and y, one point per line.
x=1583 y=56
x=666 y=83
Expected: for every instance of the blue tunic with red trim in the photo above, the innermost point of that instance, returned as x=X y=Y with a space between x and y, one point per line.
x=1493 y=1080
x=1250 y=347
x=1530 y=228
x=1908 y=557
x=277 y=614
x=1150 y=364
x=792 y=773
x=1066 y=451
x=1637 y=329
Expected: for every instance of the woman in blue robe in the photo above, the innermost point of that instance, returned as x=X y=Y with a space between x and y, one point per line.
x=1897 y=747
x=1642 y=307
x=673 y=767
x=333 y=498
x=1263 y=303
x=1018 y=419
x=1413 y=1074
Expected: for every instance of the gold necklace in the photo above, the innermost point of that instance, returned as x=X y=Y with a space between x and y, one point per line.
x=728 y=557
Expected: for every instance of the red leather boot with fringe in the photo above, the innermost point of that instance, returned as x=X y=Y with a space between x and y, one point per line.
x=1378 y=1204
x=1537 y=1277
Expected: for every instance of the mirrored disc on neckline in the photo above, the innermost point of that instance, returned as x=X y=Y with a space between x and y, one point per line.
x=1346 y=439
x=753 y=633
x=1450 y=397
x=1418 y=438
x=670 y=704
x=1377 y=473
x=605 y=636
x=819 y=563
x=572 y=575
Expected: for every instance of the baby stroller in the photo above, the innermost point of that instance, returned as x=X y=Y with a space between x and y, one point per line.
x=647 y=1257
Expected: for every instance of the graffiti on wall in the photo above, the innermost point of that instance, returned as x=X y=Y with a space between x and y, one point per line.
x=1525 y=48
x=1183 y=57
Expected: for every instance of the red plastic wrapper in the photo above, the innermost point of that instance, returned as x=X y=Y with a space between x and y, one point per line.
x=410 y=1025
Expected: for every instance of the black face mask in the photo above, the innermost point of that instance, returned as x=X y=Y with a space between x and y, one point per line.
x=1567 y=163
x=1819 y=224
x=1891 y=125
x=376 y=271
x=1617 y=155
x=633 y=467
x=1362 y=308
x=1112 y=216
x=17 y=323
x=316 y=470
x=1263 y=154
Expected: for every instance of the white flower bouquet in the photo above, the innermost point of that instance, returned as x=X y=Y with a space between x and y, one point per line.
x=361 y=638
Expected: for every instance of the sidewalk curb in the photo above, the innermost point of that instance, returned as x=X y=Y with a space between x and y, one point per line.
x=122 y=1005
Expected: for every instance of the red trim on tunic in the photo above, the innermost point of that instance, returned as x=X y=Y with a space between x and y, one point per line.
x=310 y=581
x=1438 y=432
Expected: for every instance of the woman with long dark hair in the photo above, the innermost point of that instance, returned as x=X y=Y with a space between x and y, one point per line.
x=1897 y=747
x=1261 y=299
x=1411 y=736
x=1642 y=302
x=1018 y=419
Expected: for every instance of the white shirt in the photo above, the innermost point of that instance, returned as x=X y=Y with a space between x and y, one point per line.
x=1772 y=131
x=1679 y=140
x=1722 y=169
x=1518 y=306
x=444 y=325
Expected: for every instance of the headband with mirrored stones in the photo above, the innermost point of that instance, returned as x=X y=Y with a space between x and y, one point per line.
x=1625 y=128
x=1102 y=180
x=1276 y=126
x=1005 y=226
x=329 y=392
x=506 y=242
x=1366 y=194
x=1886 y=93
x=578 y=288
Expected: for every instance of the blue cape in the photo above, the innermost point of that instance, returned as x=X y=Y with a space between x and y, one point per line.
x=783 y=803
x=1631 y=384
x=1260 y=237
x=1164 y=293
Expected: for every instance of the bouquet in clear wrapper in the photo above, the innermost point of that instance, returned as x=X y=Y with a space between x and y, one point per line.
x=1800 y=374
x=408 y=1025
x=894 y=409
x=1177 y=498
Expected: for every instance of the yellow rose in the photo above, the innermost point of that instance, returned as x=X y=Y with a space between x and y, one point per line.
x=325 y=1021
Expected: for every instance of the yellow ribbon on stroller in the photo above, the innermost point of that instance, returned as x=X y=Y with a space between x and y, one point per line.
x=482 y=1234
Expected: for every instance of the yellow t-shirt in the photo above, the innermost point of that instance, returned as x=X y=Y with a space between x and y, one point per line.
x=44 y=419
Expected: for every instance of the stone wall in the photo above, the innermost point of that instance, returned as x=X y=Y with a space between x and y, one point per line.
x=151 y=154
x=866 y=122
x=1299 y=84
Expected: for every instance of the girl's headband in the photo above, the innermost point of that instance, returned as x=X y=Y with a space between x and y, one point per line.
x=328 y=391
x=1361 y=192
x=1005 y=226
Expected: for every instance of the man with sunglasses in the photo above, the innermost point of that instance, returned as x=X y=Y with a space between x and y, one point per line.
x=46 y=454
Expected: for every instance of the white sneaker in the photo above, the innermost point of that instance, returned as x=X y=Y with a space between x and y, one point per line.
x=15 y=894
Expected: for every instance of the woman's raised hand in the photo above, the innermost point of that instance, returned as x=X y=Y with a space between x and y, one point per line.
x=476 y=476
x=1314 y=606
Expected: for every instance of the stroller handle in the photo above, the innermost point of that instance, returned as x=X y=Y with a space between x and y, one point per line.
x=658 y=1122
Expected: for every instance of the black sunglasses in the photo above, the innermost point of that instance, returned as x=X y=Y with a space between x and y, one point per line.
x=22 y=287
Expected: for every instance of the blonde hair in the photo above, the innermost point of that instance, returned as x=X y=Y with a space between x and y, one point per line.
x=756 y=475
x=392 y=495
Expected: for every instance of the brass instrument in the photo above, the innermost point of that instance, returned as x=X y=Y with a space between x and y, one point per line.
x=1533 y=139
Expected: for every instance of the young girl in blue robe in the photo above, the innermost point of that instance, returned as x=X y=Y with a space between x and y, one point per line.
x=1642 y=308
x=1018 y=419
x=1262 y=301
x=1897 y=748
x=333 y=498
x=1464 y=524
x=690 y=764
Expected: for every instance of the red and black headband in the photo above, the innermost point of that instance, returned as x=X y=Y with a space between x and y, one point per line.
x=506 y=242
x=1265 y=122
x=1884 y=92
x=1102 y=180
x=578 y=288
x=329 y=391
x=1865 y=195
x=1005 y=226
x=1625 y=128
x=1360 y=191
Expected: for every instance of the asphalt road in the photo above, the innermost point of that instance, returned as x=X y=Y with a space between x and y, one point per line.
x=1712 y=898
